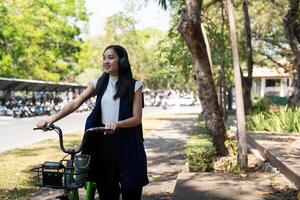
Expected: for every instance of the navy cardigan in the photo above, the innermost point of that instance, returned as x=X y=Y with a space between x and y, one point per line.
x=129 y=142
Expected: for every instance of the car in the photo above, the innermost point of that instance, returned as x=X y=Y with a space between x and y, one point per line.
x=187 y=101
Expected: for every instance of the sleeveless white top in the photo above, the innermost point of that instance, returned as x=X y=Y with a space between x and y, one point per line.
x=109 y=105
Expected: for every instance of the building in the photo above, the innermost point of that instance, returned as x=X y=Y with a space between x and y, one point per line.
x=271 y=82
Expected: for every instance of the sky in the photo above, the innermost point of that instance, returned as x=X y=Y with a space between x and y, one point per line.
x=150 y=15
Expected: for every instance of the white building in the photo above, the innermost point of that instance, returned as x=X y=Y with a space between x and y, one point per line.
x=271 y=81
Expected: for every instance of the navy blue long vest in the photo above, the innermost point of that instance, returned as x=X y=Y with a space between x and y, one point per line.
x=131 y=156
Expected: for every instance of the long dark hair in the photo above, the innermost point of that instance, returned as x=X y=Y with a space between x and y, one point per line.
x=124 y=85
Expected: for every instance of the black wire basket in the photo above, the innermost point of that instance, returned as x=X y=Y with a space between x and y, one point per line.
x=66 y=174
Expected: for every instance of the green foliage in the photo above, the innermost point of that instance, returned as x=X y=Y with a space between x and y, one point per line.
x=283 y=120
x=219 y=41
x=200 y=153
x=173 y=56
x=39 y=39
x=200 y=150
x=257 y=122
x=230 y=165
x=260 y=105
x=231 y=145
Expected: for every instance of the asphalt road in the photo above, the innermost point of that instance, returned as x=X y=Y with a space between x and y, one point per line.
x=16 y=132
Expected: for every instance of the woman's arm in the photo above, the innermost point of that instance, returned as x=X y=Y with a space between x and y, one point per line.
x=70 y=107
x=136 y=118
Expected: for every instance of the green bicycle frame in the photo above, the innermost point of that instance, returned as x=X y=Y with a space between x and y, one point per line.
x=90 y=188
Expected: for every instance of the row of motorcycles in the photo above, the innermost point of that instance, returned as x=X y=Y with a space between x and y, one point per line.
x=20 y=109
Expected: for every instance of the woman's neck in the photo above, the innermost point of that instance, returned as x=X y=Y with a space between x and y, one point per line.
x=112 y=77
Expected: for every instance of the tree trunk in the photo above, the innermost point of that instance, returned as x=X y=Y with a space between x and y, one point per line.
x=247 y=81
x=190 y=29
x=292 y=31
x=241 y=125
x=222 y=71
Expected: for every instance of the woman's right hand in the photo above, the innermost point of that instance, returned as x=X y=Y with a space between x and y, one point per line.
x=41 y=123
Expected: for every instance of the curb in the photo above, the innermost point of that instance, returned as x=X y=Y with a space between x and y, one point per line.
x=276 y=162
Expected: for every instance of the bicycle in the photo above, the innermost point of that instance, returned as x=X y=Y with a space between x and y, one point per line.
x=67 y=174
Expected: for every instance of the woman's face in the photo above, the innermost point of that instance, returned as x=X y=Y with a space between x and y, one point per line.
x=111 y=62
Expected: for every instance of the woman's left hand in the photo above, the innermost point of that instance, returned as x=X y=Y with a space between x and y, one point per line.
x=113 y=126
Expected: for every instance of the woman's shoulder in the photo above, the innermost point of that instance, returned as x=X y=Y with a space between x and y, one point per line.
x=138 y=84
x=94 y=82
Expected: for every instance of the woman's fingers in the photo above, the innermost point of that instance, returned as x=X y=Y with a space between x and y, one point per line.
x=41 y=124
x=111 y=126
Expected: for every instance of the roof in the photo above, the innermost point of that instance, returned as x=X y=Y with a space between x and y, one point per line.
x=267 y=72
x=12 y=84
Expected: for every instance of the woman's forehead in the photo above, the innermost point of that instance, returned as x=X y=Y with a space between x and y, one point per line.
x=109 y=51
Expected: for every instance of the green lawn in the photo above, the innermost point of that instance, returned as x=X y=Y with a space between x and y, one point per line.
x=15 y=165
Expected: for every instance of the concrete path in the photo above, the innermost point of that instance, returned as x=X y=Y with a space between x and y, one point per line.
x=219 y=186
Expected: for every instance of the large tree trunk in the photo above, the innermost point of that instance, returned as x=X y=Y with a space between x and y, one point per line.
x=190 y=29
x=292 y=30
x=240 y=113
x=247 y=81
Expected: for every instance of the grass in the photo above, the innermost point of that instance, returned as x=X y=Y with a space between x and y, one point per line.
x=15 y=165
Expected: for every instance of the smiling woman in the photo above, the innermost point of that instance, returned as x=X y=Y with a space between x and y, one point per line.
x=118 y=160
x=147 y=14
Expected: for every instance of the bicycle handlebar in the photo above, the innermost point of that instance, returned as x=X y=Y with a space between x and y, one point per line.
x=50 y=127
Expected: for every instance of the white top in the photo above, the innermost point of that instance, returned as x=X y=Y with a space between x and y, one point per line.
x=109 y=105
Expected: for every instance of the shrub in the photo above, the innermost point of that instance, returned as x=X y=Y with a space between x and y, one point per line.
x=260 y=105
x=200 y=153
x=283 y=120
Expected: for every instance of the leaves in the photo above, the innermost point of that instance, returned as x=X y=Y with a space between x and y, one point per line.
x=38 y=39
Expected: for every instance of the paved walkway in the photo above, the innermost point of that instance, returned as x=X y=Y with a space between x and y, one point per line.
x=165 y=137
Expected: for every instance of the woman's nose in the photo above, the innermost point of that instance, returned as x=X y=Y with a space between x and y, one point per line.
x=106 y=60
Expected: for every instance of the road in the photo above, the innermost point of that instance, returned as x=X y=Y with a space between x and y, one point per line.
x=16 y=132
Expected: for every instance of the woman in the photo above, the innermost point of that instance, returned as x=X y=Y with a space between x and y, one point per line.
x=118 y=159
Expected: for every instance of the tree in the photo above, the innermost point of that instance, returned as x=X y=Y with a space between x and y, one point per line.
x=292 y=29
x=175 y=68
x=247 y=81
x=40 y=39
x=190 y=29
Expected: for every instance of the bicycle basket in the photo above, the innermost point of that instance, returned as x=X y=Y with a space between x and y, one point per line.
x=67 y=174
x=79 y=173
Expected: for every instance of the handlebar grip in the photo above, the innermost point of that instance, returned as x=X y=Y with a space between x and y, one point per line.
x=98 y=129
x=46 y=127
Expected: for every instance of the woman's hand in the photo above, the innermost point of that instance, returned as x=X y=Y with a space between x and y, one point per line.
x=113 y=126
x=41 y=123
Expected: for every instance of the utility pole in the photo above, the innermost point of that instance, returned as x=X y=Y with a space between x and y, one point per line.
x=239 y=102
